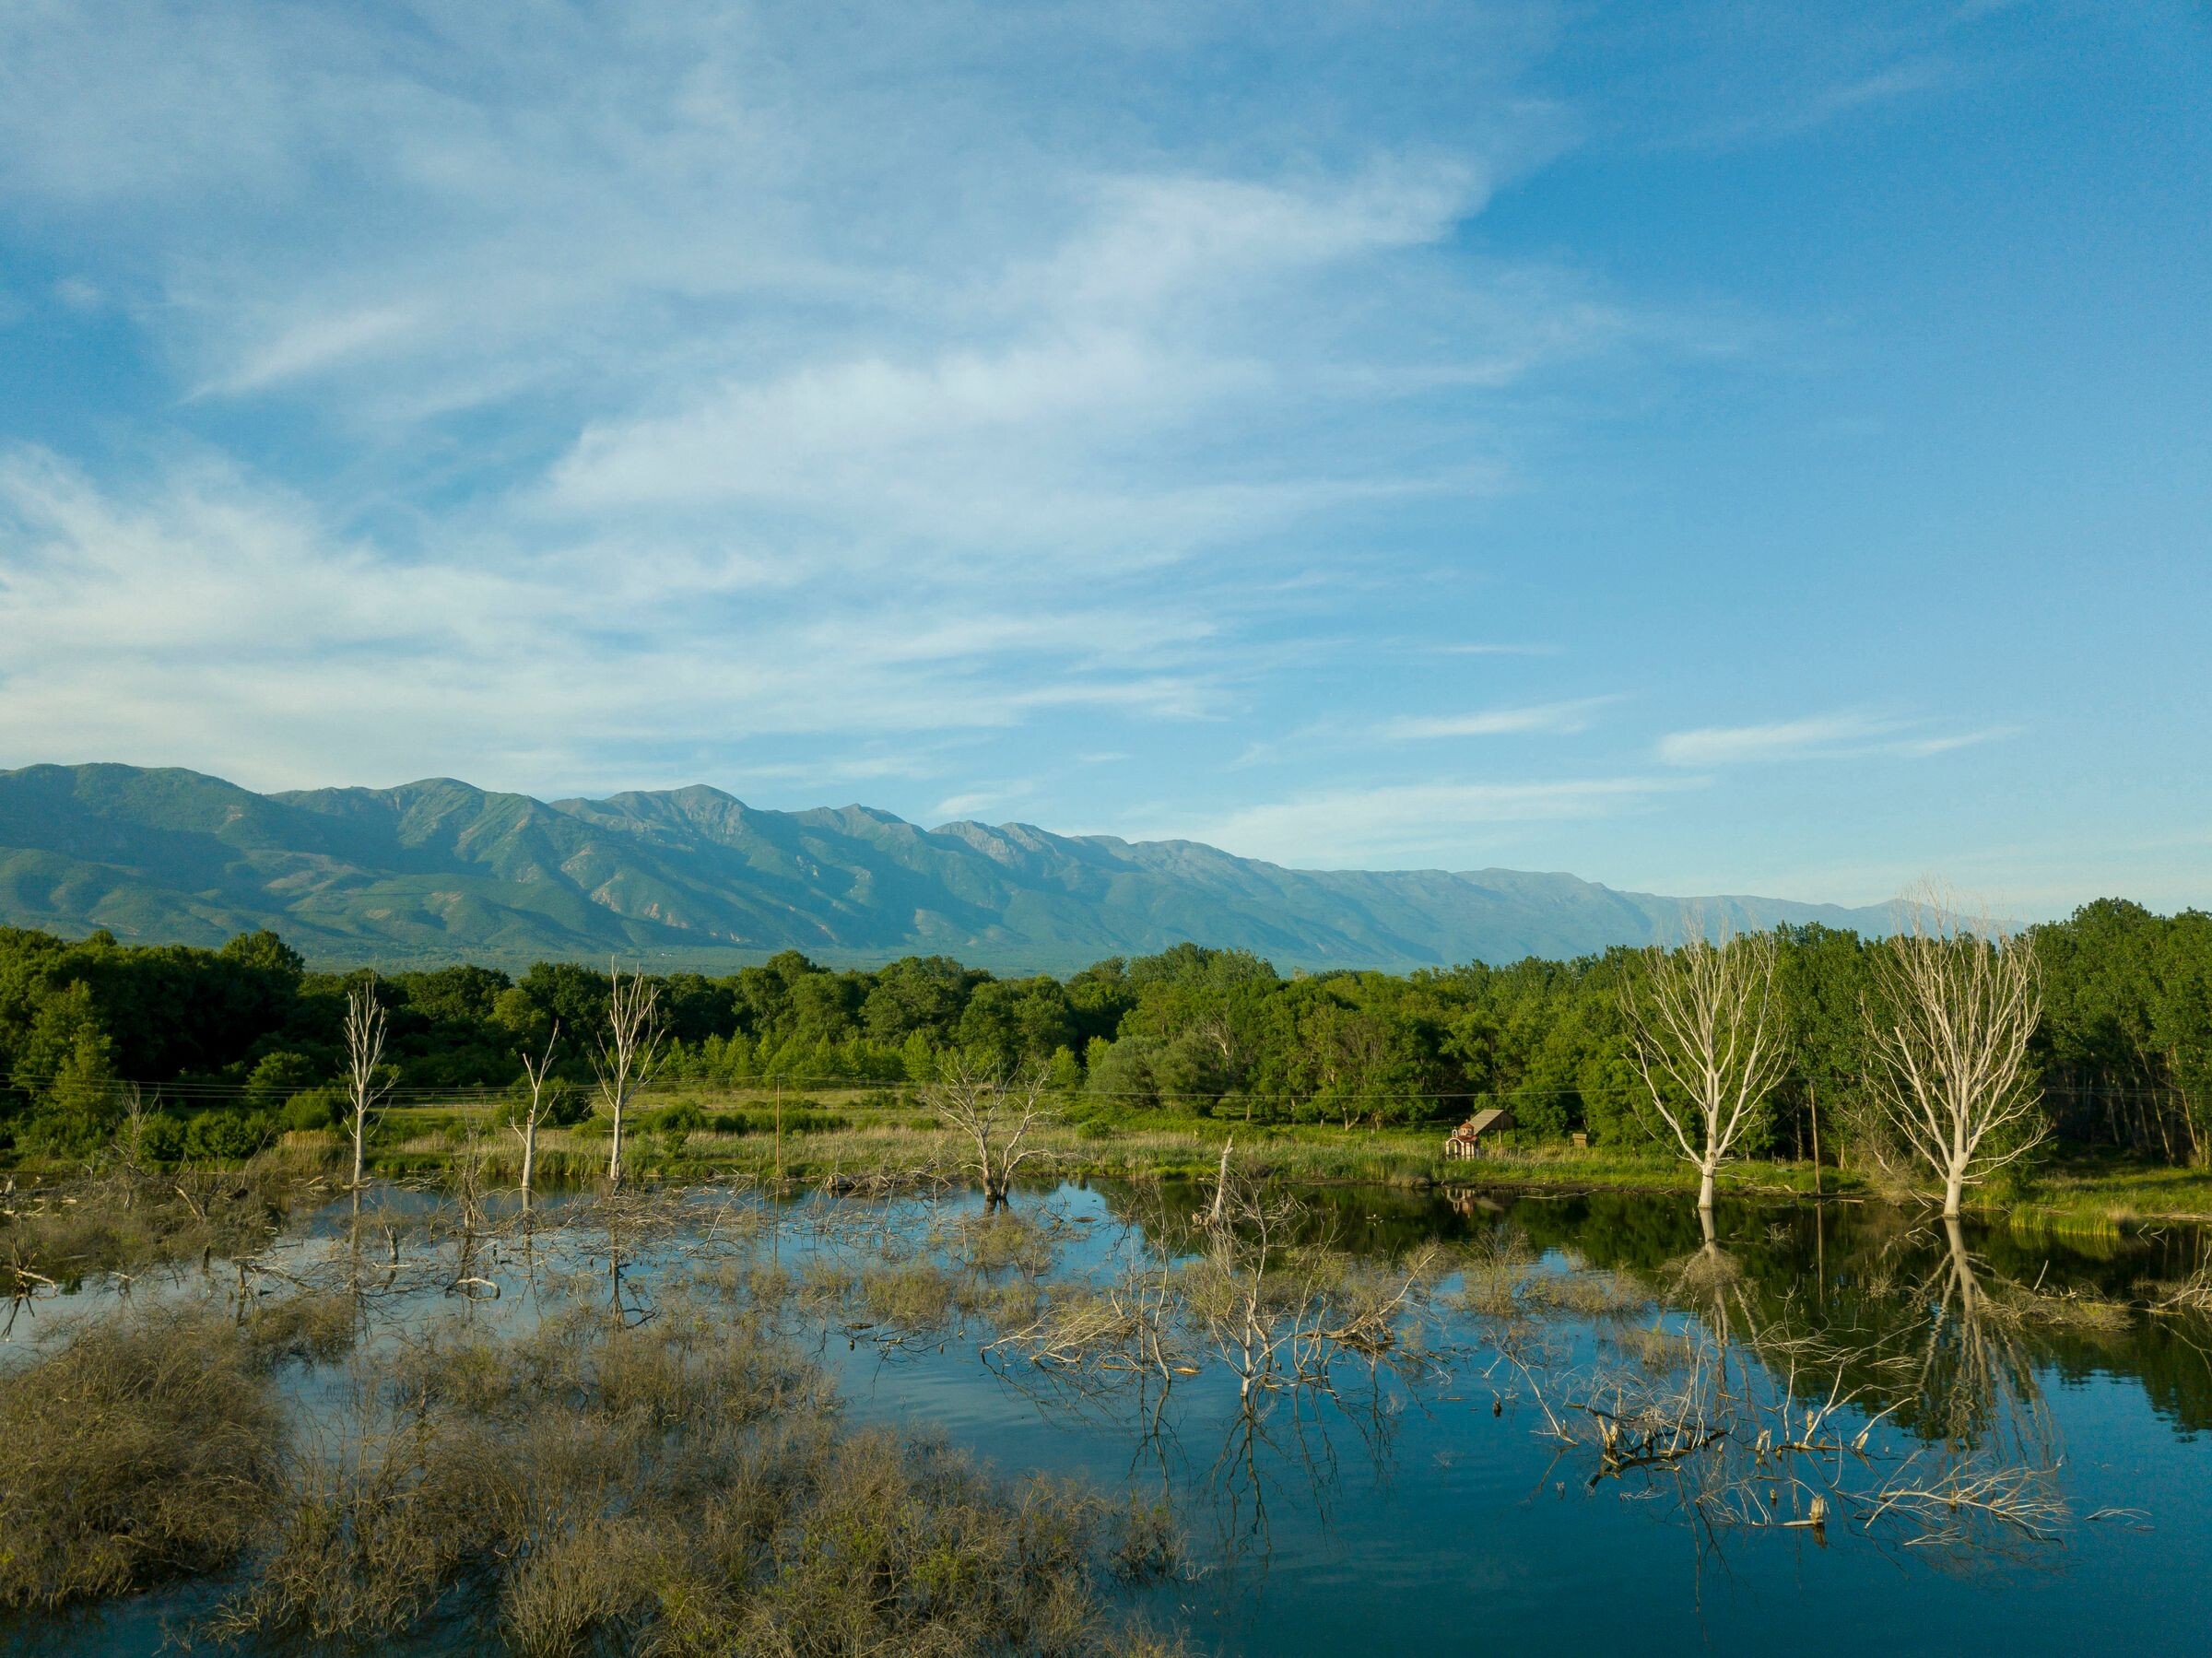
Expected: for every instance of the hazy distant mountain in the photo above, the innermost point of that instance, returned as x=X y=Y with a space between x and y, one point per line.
x=440 y=871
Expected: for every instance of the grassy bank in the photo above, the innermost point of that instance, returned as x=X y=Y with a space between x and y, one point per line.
x=867 y=1136
x=863 y=1135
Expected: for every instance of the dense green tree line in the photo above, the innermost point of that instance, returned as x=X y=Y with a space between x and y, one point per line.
x=225 y=1044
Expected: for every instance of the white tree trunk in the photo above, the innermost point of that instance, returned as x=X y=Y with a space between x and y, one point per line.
x=365 y=1028
x=1954 y=1004
x=1708 y=1037
x=629 y=1052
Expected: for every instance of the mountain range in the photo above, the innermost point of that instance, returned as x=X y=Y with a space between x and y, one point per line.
x=440 y=871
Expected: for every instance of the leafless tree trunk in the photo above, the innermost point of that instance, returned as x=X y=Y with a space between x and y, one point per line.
x=130 y=1138
x=994 y=1112
x=1955 y=1001
x=365 y=1028
x=539 y=1071
x=1218 y=1212
x=1708 y=1040
x=629 y=1051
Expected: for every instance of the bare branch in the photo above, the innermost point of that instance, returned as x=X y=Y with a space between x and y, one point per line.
x=1956 y=999
x=629 y=1052
x=1709 y=1041
x=365 y=1031
x=997 y=1113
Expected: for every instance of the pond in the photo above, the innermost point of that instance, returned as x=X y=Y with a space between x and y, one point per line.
x=1466 y=1421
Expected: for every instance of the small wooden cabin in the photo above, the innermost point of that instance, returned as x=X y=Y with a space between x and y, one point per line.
x=1466 y=1141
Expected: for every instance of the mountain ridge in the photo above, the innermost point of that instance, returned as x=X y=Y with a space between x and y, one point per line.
x=440 y=870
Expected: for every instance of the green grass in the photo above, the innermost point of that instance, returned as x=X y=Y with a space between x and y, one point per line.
x=852 y=1135
x=2079 y=1192
x=866 y=1132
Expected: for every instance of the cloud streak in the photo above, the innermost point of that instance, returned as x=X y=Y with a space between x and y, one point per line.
x=211 y=622
x=1395 y=822
x=1833 y=737
x=1556 y=718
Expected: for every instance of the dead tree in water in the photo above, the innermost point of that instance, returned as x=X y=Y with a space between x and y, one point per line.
x=1280 y=1308
x=1956 y=1000
x=539 y=1072
x=629 y=1050
x=996 y=1113
x=1707 y=1033
x=365 y=1028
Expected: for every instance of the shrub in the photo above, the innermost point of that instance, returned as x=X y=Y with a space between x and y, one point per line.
x=313 y=1328
x=143 y=1448
x=227 y=1136
x=162 y=1140
x=313 y=1107
x=277 y=1079
x=683 y=1117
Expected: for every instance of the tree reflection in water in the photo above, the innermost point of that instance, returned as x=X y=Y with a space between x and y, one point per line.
x=1906 y=1412
x=1848 y=1374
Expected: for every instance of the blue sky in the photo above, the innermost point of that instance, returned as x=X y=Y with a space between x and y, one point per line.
x=1737 y=447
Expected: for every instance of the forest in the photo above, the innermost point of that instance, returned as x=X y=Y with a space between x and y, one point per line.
x=218 y=1050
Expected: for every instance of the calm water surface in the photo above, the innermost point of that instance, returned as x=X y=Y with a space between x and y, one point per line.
x=1429 y=1507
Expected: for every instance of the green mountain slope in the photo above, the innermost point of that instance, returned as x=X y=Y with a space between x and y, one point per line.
x=439 y=870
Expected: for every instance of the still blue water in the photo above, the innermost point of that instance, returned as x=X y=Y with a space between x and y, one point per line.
x=1436 y=1515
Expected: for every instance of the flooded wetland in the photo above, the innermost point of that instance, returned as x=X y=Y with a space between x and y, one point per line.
x=1216 y=1417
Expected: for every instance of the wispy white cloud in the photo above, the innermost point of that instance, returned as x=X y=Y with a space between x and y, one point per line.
x=316 y=344
x=1927 y=746
x=1841 y=736
x=1395 y=822
x=204 y=619
x=1060 y=414
x=994 y=797
x=1575 y=714
x=1496 y=650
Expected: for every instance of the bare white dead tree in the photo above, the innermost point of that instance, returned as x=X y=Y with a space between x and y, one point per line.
x=365 y=1028
x=1955 y=1001
x=541 y=1097
x=996 y=1113
x=1709 y=1039
x=130 y=1138
x=629 y=1052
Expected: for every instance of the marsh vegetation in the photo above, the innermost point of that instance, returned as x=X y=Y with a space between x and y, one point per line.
x=736 y=1418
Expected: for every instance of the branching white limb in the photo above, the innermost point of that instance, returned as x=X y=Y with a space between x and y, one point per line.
x=539 y=1071
x=1707 y=1034
x=365 y=1028
x=1954 y=1004
x=997 y=1113
x=629 y=1052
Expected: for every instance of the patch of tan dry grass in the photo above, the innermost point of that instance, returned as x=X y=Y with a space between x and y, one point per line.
x=144 y=1446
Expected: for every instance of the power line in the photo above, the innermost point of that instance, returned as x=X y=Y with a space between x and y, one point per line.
x=460 y=1093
